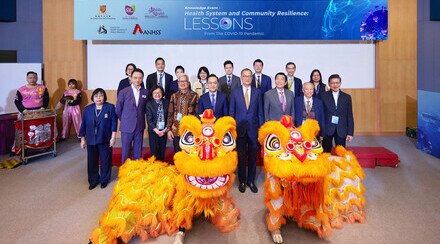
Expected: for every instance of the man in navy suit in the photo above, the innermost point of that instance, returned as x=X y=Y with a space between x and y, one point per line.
x=213 y=99
x=130 y=108
x=247 y=109
x=160 y=78
x=339 y=123
x=229 y=81
x=260 y=80
x=293 y=83
x=309 y=107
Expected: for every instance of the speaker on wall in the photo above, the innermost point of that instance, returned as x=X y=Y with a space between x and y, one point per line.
x=435 y=10
x=8 y=10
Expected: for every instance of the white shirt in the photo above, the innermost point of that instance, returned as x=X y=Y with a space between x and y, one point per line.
x=136 y=92
x=163 y=79
x=335 y=96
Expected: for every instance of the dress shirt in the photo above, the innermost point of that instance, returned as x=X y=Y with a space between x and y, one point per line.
x=335 y=96
x=163 y=79
x=136 y=92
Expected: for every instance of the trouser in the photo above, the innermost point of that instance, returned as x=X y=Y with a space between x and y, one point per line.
x=157 y=145
x=100 y=152
x=247 y=151
x=71 y=114
x=176 y=141
x=327 y=142
x=128 y=139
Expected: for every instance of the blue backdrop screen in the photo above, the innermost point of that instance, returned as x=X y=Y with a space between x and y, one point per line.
x=231 y=20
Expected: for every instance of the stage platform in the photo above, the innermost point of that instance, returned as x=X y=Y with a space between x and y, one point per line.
x=368 y=157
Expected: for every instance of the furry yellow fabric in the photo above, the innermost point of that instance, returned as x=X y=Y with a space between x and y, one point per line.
x=152 y=198
x=319 y=191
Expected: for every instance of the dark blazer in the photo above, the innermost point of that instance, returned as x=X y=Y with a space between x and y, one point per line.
x=344 y=111
x=221 y=104
x=266 y=83
x=105 y=124
x=152 y=80
x=131 y=117
x=151 y=113
x=298 y=86
x=126 y=83
x=319 y=91
x=174 y=87
x=273 y=107
x=247 y=120
x=317 y=106
x=223 y=85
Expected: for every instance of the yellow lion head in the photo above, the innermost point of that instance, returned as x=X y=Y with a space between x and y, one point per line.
x=207 y=160
x=293 y=153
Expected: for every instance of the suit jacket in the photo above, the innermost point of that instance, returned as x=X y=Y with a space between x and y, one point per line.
x=174 y=87
x=247 y=120
x=105 y=124
x=151 y=113
x=221 y=104
x=152 y=80
x=298 y=86
x=132 y=117
x=318 y=108
x=223 y=85
x=344 y=111
x=273 y=107
x=126 y=83
x=265 y=82
x=320 y=90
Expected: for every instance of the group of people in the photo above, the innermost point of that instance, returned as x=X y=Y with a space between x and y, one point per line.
x=162 y=102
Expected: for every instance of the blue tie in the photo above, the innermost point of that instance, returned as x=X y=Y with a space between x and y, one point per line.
x=213 y=101
x=160 y=80
x=229 y=81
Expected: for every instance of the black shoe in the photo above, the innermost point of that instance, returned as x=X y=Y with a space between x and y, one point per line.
x=242 y=187
x=92 y=186
x=104 y=185
x=253 y=187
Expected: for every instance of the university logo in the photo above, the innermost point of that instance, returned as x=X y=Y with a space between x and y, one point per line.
x=102 y=9
x=102 y=13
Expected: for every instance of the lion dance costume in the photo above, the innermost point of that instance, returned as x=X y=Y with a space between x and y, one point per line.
x=153 y=198
x=317 y=190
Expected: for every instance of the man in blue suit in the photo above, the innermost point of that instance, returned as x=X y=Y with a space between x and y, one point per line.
x=260 y=80
x=213 y=99
x=309 y=107
x=247 y=109
x=130 y=108
x=339 y=123
x=293 y=83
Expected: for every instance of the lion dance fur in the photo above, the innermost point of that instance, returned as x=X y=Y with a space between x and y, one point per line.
x=318 y=190
x=152 y=198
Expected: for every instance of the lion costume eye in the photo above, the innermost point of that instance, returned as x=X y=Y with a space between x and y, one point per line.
x=187 y=139
x=228 y=140
x=273 y=143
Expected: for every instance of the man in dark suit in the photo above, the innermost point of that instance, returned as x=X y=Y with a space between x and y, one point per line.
x=278 y=101
x=293 y=83
x=130 y=108
x=213 y=99
x=160 y=78
x=229 y=81
x=260 y=80
x=339 y=123
x=309 y=107
x=246 y=107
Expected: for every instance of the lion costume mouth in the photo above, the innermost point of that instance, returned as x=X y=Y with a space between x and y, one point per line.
x=207 y=183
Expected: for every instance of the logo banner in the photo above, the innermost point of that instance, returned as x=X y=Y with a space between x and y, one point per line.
x=231 y=20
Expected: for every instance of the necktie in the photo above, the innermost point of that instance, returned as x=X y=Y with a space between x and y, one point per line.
x=308 y=107
x=283 y=101
x=160 y=80
x=213 y=101
x=258 y=82
x=246 y=98
x=229 y=81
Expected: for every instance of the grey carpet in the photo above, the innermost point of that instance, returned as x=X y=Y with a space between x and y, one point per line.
x=48 y=201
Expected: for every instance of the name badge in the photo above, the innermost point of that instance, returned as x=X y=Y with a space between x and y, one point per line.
x=144 y=96
x=335 y=120
x=179 y=117
x=161 y=125
x=106 y=116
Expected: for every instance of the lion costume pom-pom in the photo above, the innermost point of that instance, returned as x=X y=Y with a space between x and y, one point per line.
x=317 y=190
x=153 y=198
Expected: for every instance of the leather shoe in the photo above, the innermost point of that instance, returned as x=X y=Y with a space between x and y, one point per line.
x=92 y=186
x=104 y=185
x=253 y=187
x=242 y=187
